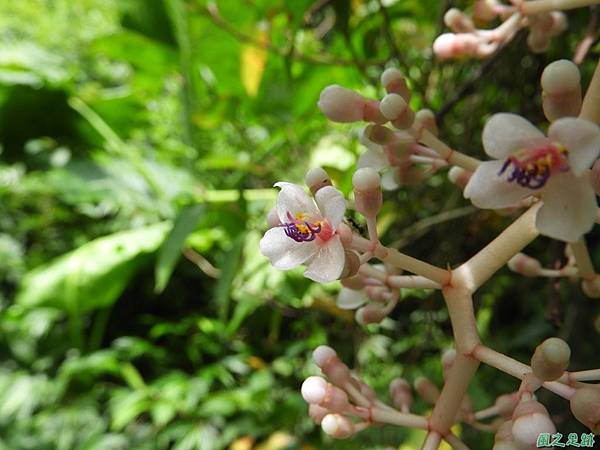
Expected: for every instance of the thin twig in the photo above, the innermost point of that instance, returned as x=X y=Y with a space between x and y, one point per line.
x=201 y=262
x=591 y=36
x=418 y=228
x=469 y=87
x=212 y=13
x=387 y=31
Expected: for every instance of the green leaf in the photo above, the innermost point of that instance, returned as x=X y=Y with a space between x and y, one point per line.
x=93 y=275
x=170 y=251
x=228 y=271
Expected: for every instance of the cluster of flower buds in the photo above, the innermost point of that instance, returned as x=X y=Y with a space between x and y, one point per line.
x=371 y=297
x=398 y=154
x=468 y=40
x=328 y=399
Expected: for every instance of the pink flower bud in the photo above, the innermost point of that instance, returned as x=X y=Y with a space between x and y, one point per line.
x=591 y=287
x=379 y=134
x=524 y=265
x=394 y=83
x=341 y=105
x=372 y=313
x=273 y=218
x=331 y=365
x=459 y=176
x=376 y=293
x=530 y=419
x=561 y=90
x=355 y=283
x=427 y=390
x=401 y=394
x=317 y=413
x=316 y=178
x=367 y=191
x=315 y=390
x=485 y=10
x=506 y=404
x=323 y=354
x=458 y=22
x=585 y=405
x=538 y=42
x=395 y=109
x=338 y=426
x=345 y=234
x=559 y=23
x=550 y=359
x=402 y=145
x=450 y=45
x=425 y=119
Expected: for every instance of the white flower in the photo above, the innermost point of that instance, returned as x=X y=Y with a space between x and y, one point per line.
x=530 y=163
x=307 y=234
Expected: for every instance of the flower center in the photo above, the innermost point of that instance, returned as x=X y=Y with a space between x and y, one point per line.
x=532 y=167
x=302 y=228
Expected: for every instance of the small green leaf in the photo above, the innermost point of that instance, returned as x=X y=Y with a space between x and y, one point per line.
x=170 y=251
x=228 y=271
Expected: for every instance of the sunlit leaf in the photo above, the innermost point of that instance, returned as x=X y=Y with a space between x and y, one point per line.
x=93 y=275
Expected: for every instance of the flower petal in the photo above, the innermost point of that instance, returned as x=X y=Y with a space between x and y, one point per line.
x=505 y=133
x=581 y=137
x=569 y=208
x=332 y=204
x=374 y=158
x=487 y=189
x=388 y=179
x=294 y=199
x=328 y=262
x=350 y=299
x=283 y=251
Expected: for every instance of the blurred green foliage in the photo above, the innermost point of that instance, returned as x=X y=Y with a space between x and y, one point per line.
x=139 y=143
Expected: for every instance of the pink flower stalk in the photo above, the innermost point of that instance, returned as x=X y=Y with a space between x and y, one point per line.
x=307 y=234
x=529 y=163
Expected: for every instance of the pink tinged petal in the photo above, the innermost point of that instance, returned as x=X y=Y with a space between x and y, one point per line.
x=374 y=158
x=569 y=207
x=505 y=133
x=350 y=299
x=488 y=190
x=283 y=251
x=332 y=204
x=328 y=262
x=293 y=199
x=581 y=138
